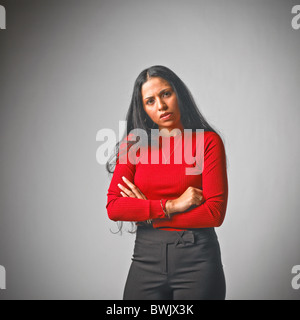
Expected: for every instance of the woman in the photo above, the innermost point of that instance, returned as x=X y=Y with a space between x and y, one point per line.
x=177 y=254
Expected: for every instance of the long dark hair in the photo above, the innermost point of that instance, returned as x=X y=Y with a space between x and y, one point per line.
x=190 y=116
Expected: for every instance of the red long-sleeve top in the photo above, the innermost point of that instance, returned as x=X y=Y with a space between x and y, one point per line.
x=168 y=181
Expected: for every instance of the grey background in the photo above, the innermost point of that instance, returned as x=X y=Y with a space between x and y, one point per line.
x=67 y=70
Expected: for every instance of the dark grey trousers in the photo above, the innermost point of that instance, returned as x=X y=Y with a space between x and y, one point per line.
x=173 y=265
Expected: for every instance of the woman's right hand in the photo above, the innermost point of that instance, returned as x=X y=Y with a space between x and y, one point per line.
x=191 y=196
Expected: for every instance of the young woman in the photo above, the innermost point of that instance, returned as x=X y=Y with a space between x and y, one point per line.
x=177 y=253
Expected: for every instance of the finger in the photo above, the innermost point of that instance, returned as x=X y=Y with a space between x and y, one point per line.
x=126 y=191
x=201 y=199
x=123 y=194
x=144 y=197
x=199 y=192
x=134 y=188
x=129 y=183
x=198 y=202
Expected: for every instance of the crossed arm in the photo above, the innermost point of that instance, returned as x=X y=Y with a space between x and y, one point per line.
x=128 y=203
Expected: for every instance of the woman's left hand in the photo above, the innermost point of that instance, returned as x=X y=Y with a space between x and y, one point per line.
x=133 y=192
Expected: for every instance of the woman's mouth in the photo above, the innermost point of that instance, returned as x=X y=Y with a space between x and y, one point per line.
x=166 y=117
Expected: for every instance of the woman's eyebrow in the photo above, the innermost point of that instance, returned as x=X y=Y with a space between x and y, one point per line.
x=159 y=92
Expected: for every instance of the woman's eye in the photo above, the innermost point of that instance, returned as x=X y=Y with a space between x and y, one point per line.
x=150 y=101
x=165 y=94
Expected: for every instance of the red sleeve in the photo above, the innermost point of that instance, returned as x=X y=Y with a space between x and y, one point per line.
x=121 y=208
x=215 y=190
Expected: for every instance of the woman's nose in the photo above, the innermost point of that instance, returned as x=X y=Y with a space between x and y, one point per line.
x=161 y=104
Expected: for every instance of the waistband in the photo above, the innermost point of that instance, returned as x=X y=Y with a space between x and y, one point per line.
x=176 y=237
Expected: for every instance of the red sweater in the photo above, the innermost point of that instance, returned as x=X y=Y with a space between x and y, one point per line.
x=169 y=181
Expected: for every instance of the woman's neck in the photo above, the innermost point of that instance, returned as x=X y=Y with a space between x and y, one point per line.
x=170 y=133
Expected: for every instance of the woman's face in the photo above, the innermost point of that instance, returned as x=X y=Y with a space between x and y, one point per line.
x=159 y=99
